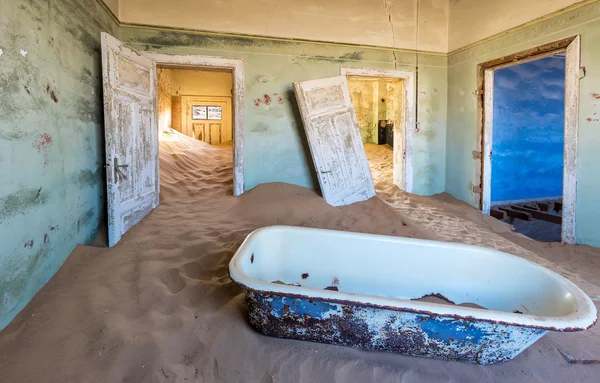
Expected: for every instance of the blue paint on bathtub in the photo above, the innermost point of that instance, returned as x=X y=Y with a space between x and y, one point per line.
x=299 y=307
x=408 y=333
x=450 y=330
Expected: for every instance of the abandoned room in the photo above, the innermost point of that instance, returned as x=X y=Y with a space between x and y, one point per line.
x=309 y=191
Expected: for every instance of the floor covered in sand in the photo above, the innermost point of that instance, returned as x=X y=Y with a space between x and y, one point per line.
x=160 y=307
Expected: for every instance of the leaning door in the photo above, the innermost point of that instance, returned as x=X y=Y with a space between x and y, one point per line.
x=334 y=140
x=131 y=136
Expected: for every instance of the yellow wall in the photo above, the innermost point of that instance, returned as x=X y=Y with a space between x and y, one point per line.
x=113 y=5
x=164 y=98
x=374 y=100
x=382 y=23
x=200 y=83
x=175 y=83
x=474 y=20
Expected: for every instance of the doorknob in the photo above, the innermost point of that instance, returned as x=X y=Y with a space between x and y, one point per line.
x=118 y=171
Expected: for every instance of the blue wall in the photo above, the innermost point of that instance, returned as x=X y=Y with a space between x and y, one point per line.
x=528 y=135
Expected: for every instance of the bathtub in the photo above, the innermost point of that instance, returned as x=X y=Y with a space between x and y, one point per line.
x=416 y=297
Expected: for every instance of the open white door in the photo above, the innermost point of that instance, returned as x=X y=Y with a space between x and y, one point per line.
x=334 y=140
x=131 y=136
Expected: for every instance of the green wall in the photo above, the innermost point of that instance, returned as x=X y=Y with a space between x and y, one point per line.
x=51 y=139
x=462 y=104
x=275 y=146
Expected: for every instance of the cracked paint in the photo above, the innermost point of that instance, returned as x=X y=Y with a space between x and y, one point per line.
x=42 y=141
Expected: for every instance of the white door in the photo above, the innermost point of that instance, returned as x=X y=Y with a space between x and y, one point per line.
x=131 y=136
x=334 y=140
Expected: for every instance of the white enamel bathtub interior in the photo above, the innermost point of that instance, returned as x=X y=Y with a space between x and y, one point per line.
x=390 y=271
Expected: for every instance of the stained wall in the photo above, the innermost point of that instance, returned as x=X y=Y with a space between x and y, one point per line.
x=275 y=145
x=462 y=109
x=164 y=83
x=374 y=100
x=51 y=139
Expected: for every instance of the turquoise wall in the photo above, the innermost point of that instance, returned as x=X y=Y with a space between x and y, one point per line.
x=51 y=140
x=275 y=146
x=462 y=113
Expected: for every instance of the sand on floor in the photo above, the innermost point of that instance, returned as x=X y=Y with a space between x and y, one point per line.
x=160 y=307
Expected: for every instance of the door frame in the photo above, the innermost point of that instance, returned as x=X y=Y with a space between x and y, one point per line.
x=236 y=66
x=403 y=149
x=485 y=109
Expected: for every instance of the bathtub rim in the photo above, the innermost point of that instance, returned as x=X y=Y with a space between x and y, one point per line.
x=584 y=316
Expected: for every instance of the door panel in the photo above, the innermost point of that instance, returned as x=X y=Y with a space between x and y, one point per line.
x=208 y=130
x=131 y=136
x=334 y=140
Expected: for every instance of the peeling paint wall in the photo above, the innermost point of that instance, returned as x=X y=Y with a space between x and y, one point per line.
x=374 y=100
x=474 y=20
x=390 y=23
x=275 y=144
x=462 y=109
x=164 y=98
x=364 y=94
x=51 y=139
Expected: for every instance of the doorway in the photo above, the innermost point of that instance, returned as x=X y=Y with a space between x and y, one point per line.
x=133 y=125
x=384 y=102
x=196 y=103
x=228 y=67
x=529 y=119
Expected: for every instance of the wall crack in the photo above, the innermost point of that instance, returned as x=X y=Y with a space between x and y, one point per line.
x=388 y=5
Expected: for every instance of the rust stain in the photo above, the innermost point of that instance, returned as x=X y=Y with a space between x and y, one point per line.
x=257 y=102
x=280 y=100
x=41 y=144
x=596 y=96
x=267 y=99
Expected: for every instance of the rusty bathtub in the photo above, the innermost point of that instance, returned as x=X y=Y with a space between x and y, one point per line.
x=410 y=296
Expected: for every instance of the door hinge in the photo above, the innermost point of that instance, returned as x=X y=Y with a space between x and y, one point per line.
x=480 y=92
x=582 y=72
x=476 y=155
x=477 y=189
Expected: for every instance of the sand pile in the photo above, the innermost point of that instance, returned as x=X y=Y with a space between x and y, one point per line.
x=160 y=307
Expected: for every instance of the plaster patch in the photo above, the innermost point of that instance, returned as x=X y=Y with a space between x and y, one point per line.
x=23 y=52
x=1 y=52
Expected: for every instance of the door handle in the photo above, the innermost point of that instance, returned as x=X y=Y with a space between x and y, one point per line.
x=118 y=171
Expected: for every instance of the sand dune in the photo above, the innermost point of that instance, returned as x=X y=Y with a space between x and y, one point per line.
x=160 y=307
